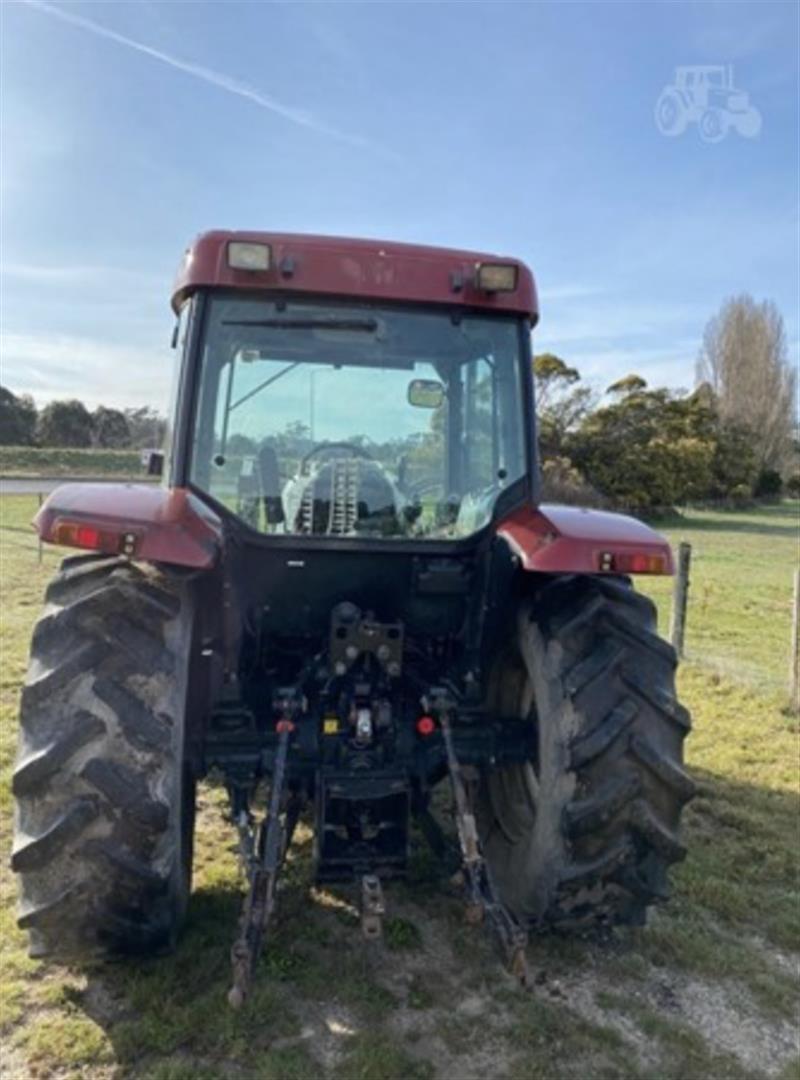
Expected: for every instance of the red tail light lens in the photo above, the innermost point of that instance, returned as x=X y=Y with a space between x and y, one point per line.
x=79 y=534
x=633 y=562
x=426 y=726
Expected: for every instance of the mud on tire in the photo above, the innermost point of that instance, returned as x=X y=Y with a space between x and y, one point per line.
x=585 y=835
x=104 y=807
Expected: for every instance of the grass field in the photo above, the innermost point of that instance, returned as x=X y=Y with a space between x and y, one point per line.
x=741 y=588
x=57 y=461
x=708 y=990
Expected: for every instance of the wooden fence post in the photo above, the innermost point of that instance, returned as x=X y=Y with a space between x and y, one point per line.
x=794 y=666
x=680 y=598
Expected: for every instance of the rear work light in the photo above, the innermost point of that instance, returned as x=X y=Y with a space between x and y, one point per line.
x=496 y=277
x=80 y=535
x=246 y=256
x=632 y=562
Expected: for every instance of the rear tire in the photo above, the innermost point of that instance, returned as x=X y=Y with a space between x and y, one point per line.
x=584 y=836
x=104 y=803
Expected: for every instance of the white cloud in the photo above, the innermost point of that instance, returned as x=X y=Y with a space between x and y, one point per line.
x=612 y=335
x=72 y=275
x=617 y=320
x=49 y=366
x=301 y=117
x=573 y=291
x=670 y=363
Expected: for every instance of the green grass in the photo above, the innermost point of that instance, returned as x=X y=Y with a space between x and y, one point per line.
x=401 y=935
x=373 y=1056
x=562 y=1044
x=432 y=1000
x=60 y=461
x=740 y=596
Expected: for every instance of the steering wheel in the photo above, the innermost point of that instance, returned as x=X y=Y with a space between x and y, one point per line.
x=344 y=449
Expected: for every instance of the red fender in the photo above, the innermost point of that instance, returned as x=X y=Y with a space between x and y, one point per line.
x=567 y=539
x=144 y=521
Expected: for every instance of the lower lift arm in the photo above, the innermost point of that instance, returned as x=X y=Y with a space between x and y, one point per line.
x=482 y=898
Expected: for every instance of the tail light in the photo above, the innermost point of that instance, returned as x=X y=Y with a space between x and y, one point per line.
x=80 y=535
x=633 y=562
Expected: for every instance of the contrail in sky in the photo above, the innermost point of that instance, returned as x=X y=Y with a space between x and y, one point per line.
x=301 y=117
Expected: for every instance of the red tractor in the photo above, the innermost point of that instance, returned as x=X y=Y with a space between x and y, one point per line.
x=343 y=593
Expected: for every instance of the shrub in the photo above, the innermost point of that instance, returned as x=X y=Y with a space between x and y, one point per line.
x=768 y=484
x=741 y=495
x=563 y=483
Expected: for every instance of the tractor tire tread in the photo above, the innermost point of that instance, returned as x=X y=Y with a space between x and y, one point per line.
x=37 y=766
x=102 y=831
x=595 y=742
x=595 y=812
x=36 y=852
x=610 y=766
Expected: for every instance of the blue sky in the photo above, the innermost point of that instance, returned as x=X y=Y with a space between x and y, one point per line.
x=525 y=129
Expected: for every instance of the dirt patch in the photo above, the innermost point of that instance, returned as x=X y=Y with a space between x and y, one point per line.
x=723 y=1014
x=728 y=1019
x=469 y=1031
x=327 y=1032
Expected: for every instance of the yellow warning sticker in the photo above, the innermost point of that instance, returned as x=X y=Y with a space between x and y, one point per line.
x=330 y=725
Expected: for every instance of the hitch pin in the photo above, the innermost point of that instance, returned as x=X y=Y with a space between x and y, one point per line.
x=364 y=726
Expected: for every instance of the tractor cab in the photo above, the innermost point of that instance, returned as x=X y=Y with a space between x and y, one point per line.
x=403 y=416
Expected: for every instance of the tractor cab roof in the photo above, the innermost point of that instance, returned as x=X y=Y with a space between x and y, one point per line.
x=370 y=270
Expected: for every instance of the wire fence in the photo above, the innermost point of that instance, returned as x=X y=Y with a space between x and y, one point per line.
x=737 y=668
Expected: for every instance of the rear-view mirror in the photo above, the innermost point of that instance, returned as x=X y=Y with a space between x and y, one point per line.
x=153 y=462
x=425 y=393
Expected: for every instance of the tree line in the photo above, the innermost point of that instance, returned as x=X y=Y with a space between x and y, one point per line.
x=734 y=437
x=72 y=424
